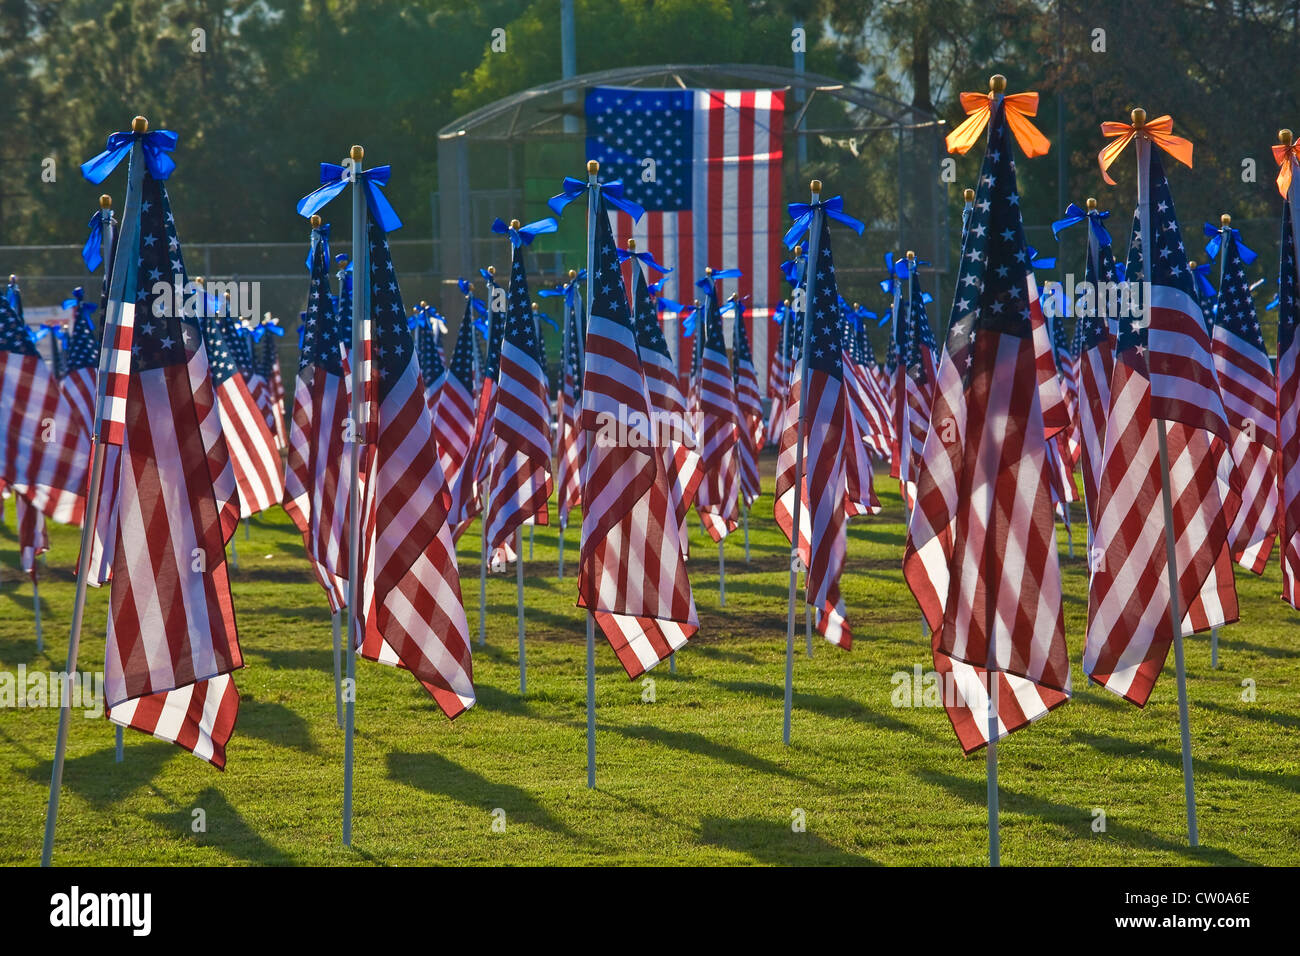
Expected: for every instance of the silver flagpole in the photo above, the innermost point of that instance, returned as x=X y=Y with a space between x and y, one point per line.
x=336 y=627
x=991 y=765
x=360 y=309
x=593 y=209
x=1225 y=223
x=722 y=575
x=124 y=268
x=1094 y=256
x=106 y=254
x=36 y=608
x=810 y=274
x=483 y=492
x=1171 y=555
x=904 y=441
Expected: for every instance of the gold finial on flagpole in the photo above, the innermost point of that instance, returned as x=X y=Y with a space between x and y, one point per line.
x=708 y=270
x=139 y=125
x=631 y=245
x=911 y=254
x=106 y=201
x=315 y=222
x=816 y=186
x=1225 y=220
x=358 y=153
x=424 y=304
x=798 y=249
x=1139 y=116
x=573 y=274
x=1284 y=137
x=515 y=223
x=492 y=270
x=593 y=167
x=968 y=195
x=997 y=84
x=1091 y=203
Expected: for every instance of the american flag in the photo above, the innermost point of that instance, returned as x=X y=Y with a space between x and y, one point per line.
x=870 y=404
x=432 y=366
x=749 y=405
x=633 y=573
x=981 y=551
x=668 y=409
x=1163 y=370
x=913 y=384
x=252 y=448
x=44 y=455
x=410 y=610
x=468 y=495
x=1094 y=349
x=33 y=540
x=172 y=641
x=822 y=544
x=717 y=500
x=778 y=375
x=453 y=406
x=1249 y=393
x=317 y=480
x=1288 y=396
x=82 y=362
x=265 y=381
x=521 y=470
x=714 y=192
x=860 y=427
x=570 y=439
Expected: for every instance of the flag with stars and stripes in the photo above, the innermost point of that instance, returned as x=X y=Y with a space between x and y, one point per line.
x=521 y=483
x=1163 y=370
x=860 y=435
x=251 y=445
x=453 y=408
x=43 y=454
x=432 y=365
x=82 y=362
x=1094 y=350
x=33 y=538
x=317 y=479
x=570 y=439
x=632 y=574
x=913 y=386
x=172 y=641
x=778 y=375
x=981 y=555
x=822 y=544
x=749 y=406
x=265 y=381
x=1249 y=391
x=1288 y=397
x=472 y=484
x=717 y=499
x=870 y=404
x=410 y=611
x=714 y=192
x=673 y=430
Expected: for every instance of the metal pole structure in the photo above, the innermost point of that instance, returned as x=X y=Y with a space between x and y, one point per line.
x=568 y=59
x=991 y=763
x=123 y=270
x=801 y=141
x=336 y=627
x=36 y=609
x=904 y=441
x=1225 y=224
x=482 y=573
x=360 y=309
x=814 y=242
x=1166 y=497
x=593 y=209
x=722 y=575
x=106 y=255
x=519 y=607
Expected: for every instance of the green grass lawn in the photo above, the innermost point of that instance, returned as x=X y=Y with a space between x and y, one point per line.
x=698 y=775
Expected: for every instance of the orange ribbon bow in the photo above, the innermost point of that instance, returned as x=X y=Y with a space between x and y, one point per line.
x=1019 y=107
x=1158 y=130
x=1287 y=157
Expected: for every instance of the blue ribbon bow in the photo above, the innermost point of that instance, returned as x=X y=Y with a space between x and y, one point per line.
x=1074 y=215
x=1040 y=262
x=803 y=217
x=478 y=305
x=733 y=303
x=896 y=269
x=647 y=258
x=524 y=235
x=612 y=191
x=1216 y=241
x=324 y=231
x=155 y=144
x=334 y=179
x=1202 y=273
x=707 y=282
x=92 y=253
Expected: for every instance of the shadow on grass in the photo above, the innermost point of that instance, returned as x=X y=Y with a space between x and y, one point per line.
x=1252 y=712
x=1076 y=820
x=826 y=705
x=703 y=746
x=276 y=724
x=1288 y=782
x=226 y=830
x=292 y=659
x=99 y=780
x=435 y=774
x=773 y=841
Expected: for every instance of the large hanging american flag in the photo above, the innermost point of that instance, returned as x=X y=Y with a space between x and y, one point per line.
x=317 y=480
x=521 y=470
x=1163 y=370
x=1288 y=397
x=172 y=641
x=410 y=609
x=1249 y=392
x=717 y=498
x=981 y=553
x=706 y=166
x=822 y=544
x=633 y=573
